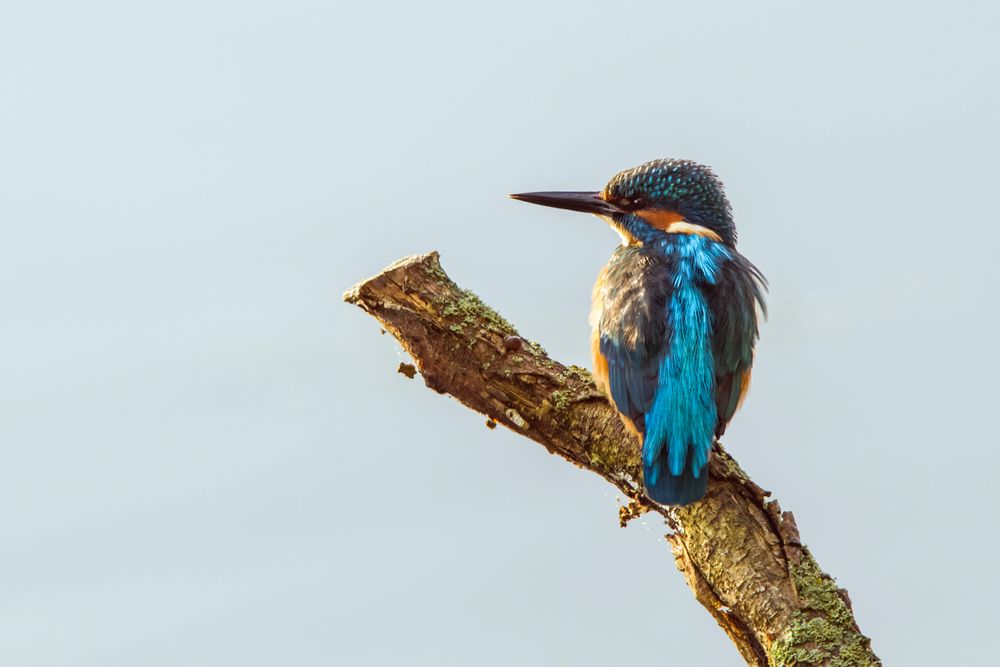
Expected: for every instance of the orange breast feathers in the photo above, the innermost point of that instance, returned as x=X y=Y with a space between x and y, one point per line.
x=600 y=363
x=600 y=370
x=744 y=387
x=596 y=308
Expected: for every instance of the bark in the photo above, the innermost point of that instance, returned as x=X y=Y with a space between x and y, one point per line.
x=738 y=551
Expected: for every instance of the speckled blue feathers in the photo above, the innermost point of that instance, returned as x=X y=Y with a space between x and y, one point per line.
x=691 y=189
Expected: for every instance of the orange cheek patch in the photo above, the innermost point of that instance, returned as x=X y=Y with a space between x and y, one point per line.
x=660 y=219
x=673 y=222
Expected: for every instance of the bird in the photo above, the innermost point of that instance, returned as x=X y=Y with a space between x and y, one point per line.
x=675 y=316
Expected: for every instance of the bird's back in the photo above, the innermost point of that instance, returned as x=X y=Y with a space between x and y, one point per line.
x=658 y=313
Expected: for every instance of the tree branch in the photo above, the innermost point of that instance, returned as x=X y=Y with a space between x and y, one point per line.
x=739 y=553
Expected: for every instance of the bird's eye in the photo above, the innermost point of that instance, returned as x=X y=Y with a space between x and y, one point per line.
x=629 y=203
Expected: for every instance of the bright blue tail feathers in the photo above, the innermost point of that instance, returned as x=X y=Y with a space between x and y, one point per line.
x=680 y=425
x=667 y=489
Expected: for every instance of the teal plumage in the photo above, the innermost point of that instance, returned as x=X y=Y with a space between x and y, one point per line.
x=674 y=316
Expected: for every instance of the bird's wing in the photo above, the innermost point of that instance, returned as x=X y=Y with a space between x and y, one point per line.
x=734 y=301
x=632 y=333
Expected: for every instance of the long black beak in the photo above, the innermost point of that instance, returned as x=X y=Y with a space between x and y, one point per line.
x=585 y=202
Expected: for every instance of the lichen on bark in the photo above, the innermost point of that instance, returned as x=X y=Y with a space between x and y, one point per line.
x=739 y=553
x=823 y=631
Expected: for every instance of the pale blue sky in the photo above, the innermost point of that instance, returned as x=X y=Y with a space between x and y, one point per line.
x=208 y=459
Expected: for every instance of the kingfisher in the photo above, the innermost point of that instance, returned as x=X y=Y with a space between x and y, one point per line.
x=674 y=316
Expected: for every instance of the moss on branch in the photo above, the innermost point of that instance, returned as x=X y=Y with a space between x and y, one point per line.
x=740 y=555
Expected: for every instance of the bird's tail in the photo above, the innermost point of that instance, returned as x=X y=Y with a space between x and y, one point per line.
x=668 y=489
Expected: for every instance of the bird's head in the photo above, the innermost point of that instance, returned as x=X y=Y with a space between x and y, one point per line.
x=656 y=198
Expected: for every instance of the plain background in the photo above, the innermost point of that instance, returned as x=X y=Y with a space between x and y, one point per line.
x=208 y=459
